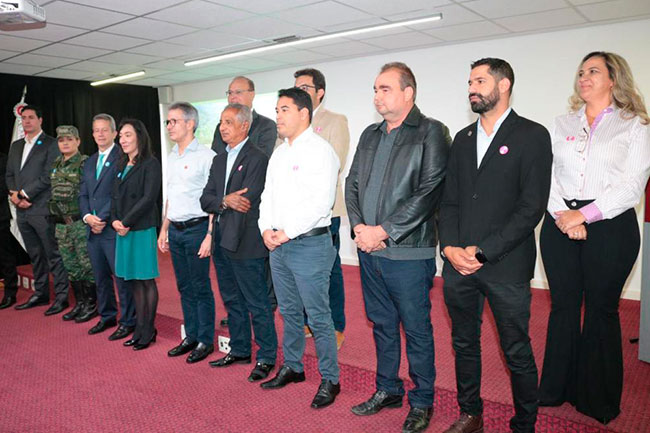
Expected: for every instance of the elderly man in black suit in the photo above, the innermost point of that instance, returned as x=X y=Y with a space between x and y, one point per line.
x=28 y=180
x=496 y=191
x=233 y=193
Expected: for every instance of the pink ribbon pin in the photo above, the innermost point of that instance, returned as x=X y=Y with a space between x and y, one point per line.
x=570 y=138
x=319 y=129
x=503 y=150
x=240 y=167
x=295 y=168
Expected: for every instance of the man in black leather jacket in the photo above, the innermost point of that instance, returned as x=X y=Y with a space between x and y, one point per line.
x=392 y=194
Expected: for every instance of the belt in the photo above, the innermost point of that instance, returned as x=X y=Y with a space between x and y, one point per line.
x=577 y=204
x=182 y=225
x=66 y=219
x=313 y=232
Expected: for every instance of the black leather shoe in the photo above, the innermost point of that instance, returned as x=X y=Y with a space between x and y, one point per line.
x=7 y=302
x=89 y=312
x=467 y=424
x=56 y=307
x=200 y=353
x=102 y=326
x=377 y=402
x=142 y=346
x=284 y=377
x=327 y=392
x=130 y=342
x=70 y=315
x=121 y=332
x=34 y=301
x=261 y=371
x=183 y=348
x=229 y=360
x=417 y=419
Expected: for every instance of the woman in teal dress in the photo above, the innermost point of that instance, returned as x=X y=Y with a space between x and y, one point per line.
x=135 y=215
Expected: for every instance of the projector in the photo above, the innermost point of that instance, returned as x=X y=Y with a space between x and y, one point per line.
x=21 y=15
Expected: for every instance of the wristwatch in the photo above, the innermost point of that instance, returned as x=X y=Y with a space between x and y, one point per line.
x=480 y=256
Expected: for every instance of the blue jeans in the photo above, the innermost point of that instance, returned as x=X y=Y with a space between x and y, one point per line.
x=397 y=291
x=301 y=273
x=243 y=288
x=193 y=280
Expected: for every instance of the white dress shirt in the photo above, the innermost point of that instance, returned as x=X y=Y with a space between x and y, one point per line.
x=483 y=140
x=233 y=152
x=187 y=176
x=608 y=162
x=29 y=144
x=300 y=186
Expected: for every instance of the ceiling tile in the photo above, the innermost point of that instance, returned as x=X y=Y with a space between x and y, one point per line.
x=65 y=73
x=327 y=13
x=451 y=16
x=93 y=66
x=86 y=17
x=51 y=32
x=164 y=49
x=267 y=28
x=6 y=54
x=264 y=6
x=467 y=31
x=184 y=76
x=346 y=48
x=10 y=68
x=38 y=60
x=250 y=63
x=615 y=9
x=123 y=58
x=297 y=57
x=106 y=41
x=148 y=29
x=210 y=40
x=387 y=8
x=217 y=69
x=199 y=13
x=541 y=20
x=13 y=43
x=583 y=2
x=505 y=8
x=139 y=7
x=403 y=40
x=154 y=82
x=168 y=64
x=71 y=51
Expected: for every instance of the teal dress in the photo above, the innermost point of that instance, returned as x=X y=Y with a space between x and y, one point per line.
x=136 y=253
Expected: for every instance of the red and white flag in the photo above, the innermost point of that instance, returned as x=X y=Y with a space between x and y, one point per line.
x=17 y=135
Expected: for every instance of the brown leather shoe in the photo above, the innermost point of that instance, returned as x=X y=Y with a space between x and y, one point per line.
x=467 y=424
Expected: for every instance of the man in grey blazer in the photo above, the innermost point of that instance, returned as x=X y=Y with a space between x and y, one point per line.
x=28 y=180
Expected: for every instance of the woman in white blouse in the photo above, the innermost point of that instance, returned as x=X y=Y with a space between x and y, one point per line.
x=590 y=236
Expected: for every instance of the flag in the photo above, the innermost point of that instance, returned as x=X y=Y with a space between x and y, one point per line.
x=18 y=133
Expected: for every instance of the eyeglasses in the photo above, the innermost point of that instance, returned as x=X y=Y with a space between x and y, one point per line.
x=306 y=87
x=237 y=92
x=582 y=140
x=172 y=122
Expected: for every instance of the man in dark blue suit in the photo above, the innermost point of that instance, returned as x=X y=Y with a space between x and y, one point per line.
x=95 y=202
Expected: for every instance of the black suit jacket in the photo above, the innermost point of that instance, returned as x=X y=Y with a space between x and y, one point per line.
x=34 y=177
x=263 y=132
x=134 y=200
x=5 y=214
x=95 y=194
x=498 y=205
x=240 y=235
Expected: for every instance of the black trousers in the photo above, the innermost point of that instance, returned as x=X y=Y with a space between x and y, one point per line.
x=8 y=260
x=585 y=367
x=510 y=303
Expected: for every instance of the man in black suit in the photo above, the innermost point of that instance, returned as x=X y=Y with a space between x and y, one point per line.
x=28 y=180
x=233 y=194
x=496 y=191
x=262 y=132
x=7 y=255
x=99 y=173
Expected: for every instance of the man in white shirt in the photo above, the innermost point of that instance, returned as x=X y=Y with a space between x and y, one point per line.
x=28 y=180
x=295 y=215
x=185 y=231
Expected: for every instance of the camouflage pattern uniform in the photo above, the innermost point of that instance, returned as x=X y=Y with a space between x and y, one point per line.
x=64 y=206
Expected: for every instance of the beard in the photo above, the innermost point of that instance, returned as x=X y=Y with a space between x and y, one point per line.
x=485 y=103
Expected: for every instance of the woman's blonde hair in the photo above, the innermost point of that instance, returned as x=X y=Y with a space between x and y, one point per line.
x=625 y=93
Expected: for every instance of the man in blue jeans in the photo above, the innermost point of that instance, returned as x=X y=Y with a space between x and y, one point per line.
x=295 y=215
x=185 y=231
x=392 y=194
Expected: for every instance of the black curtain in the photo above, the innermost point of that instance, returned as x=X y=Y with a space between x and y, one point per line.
x=72 y=102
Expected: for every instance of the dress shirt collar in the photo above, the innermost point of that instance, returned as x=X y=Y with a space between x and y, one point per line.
x=303 y=137
x=582 y=113
x=193 y=146
x=497 y=124
x=237 y=148
x=32 y=141
x=108 y=150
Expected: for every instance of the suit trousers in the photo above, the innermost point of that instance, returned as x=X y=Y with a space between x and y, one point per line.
x=585 y=367
x=101 y=250
x=394 y=292
x=8 y=260
x=38 y=234
x=510 y=304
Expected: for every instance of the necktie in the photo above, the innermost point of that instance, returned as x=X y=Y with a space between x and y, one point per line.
x=100 y=164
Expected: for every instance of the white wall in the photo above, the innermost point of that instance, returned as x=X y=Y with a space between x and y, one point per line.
x=544 y=66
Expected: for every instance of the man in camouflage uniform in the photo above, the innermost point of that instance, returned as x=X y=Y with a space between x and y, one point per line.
x=70 y=230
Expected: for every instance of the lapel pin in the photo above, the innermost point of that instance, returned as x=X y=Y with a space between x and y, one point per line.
x=107 y=164
x=319 y=129
x=503 y=150
x=185 y=167
x=570 y=138
x=119 y=175
x=469 y=133
x=240 y=167
x=39 y=142
x=295 y=168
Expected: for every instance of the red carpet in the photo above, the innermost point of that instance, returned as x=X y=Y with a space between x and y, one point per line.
x=57 y=378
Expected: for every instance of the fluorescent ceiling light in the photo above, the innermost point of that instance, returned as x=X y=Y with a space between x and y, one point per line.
x=118 y=78
x=342 y=34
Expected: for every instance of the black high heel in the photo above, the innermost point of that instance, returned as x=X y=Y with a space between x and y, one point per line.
x=141 y=346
